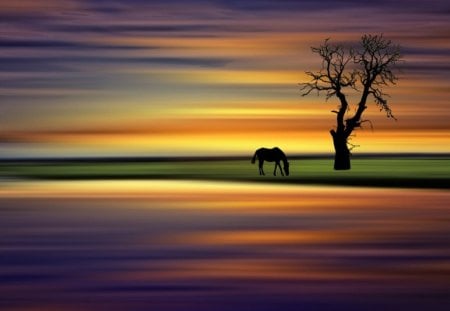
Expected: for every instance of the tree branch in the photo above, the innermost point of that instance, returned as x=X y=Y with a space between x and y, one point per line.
x=372 y=67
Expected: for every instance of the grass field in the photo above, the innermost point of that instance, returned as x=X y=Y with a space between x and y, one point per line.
x=417 y=172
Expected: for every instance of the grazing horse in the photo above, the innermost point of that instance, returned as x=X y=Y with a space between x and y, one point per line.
x=271 y=155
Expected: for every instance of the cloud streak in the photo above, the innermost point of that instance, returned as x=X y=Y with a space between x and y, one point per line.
x=77 y=63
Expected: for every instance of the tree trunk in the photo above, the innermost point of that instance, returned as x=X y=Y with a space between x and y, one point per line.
x=342 y=154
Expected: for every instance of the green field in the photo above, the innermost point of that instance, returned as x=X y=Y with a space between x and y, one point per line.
x=379 y=172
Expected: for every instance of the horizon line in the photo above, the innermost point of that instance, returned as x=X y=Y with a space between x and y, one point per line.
x=166 y=158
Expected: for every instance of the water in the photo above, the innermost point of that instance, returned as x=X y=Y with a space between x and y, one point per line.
x=166 y=245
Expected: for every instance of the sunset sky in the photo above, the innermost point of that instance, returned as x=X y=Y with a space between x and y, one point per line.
x=192 y=77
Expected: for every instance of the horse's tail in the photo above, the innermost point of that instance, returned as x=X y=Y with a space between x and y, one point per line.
x=254 y=157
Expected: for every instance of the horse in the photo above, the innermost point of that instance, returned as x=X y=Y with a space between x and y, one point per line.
x=271 y=155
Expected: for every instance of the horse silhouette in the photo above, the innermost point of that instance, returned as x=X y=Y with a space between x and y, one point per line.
x=271 y=155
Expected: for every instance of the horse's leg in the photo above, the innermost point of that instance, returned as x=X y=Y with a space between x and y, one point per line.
x=277 y=164
x=261 y=170
x=281 y=170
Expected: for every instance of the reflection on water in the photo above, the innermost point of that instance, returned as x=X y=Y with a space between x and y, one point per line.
x=160 y=245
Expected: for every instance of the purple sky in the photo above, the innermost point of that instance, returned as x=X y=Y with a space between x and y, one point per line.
x=72 y=66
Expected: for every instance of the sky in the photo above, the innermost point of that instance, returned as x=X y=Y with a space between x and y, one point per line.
x=193 y=77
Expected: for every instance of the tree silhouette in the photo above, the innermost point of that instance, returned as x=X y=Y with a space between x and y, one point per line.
x=365 y=69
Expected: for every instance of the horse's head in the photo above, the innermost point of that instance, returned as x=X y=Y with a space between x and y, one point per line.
x=286 y=168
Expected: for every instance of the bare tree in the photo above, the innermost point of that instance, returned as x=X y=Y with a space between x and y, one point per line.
x=363 y=70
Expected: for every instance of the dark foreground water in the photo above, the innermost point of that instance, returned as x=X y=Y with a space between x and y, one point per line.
x=155 y=245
